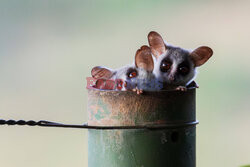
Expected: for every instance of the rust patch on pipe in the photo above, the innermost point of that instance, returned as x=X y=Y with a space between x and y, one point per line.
x=109 y=107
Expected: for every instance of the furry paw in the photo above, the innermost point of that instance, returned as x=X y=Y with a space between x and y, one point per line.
x=138 y=91
x=181 y=88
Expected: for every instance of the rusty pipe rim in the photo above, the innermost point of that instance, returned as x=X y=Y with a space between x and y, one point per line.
x=147 y=92
x=126 y=109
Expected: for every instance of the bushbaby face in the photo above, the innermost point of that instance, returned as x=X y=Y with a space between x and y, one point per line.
x=137 y=76
x=120 y=78
x=175 y=67
x=133 y=77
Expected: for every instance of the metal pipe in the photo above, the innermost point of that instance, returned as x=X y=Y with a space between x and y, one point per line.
x=163 y=145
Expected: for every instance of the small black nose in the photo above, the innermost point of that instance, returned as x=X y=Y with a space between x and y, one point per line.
x=171 y=78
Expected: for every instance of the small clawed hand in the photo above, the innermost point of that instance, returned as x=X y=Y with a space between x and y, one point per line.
x=181 y=88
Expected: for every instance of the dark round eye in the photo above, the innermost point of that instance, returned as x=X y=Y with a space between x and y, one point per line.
x=184 y=70
x=165 y=66
x=132 y=74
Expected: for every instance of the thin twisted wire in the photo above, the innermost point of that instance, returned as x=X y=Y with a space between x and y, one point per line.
x=86 y=126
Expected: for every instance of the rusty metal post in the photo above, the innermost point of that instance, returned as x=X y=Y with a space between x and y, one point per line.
x=171 y=146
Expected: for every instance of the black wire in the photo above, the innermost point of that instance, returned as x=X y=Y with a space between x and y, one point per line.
x=86 y=126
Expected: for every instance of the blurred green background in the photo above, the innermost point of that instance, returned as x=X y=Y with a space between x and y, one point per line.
x=48 y=47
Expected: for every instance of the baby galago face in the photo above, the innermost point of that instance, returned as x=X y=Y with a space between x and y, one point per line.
x=176 y=66
x=138 y=76
x=114 y=79
x=130 y=76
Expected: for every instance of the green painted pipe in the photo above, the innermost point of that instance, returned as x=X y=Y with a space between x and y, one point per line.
x=170 y=145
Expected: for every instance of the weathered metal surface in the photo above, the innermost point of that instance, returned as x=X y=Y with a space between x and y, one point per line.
x=142 y=148
x=127 y=108
x=171 y=147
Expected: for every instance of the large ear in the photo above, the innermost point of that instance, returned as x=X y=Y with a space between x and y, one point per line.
x=143 y=58
x=200 y=55
x=156 y=44
x=99 y=72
